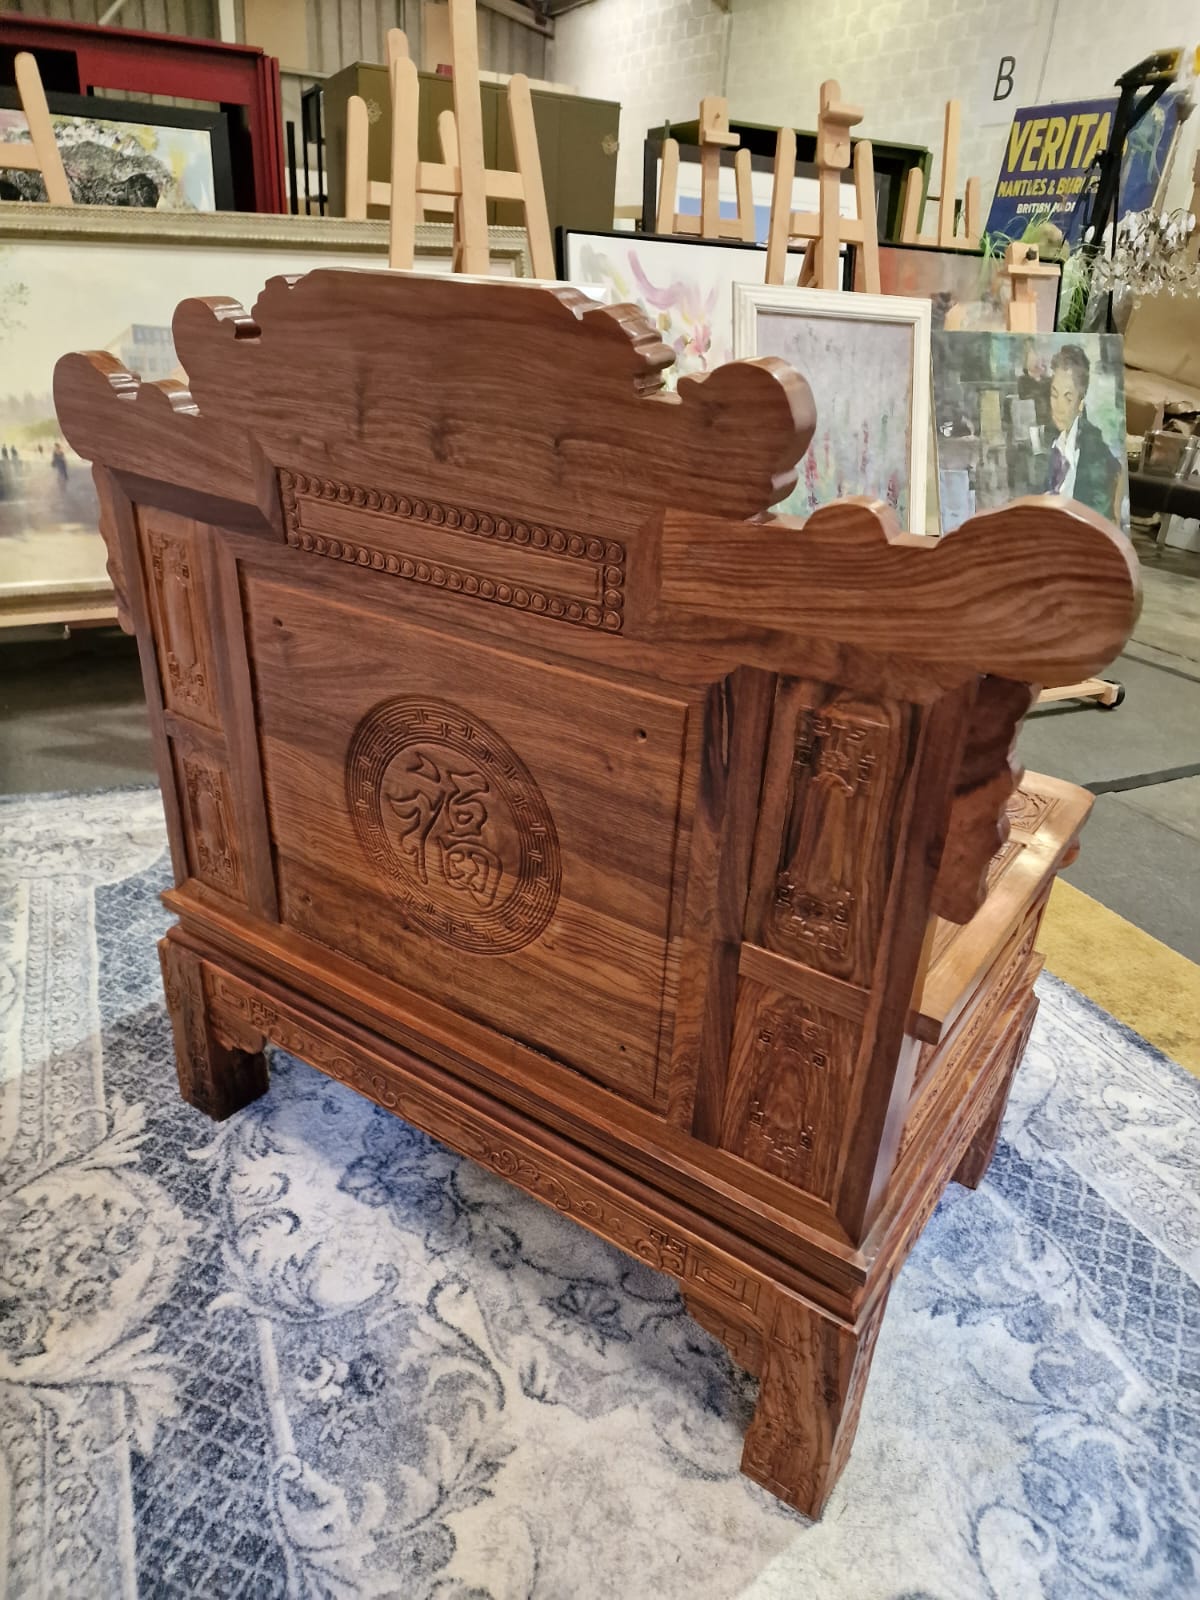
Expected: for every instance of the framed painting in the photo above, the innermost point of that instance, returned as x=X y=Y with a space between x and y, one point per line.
x=684 y=286
x=965 y=292
x=866 y=359
x=1020 y=414
x=136 y=265
x=128 y=153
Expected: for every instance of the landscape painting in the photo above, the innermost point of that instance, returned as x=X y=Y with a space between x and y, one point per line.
x=49 y=541
x=1019 y=414
x=866 y=359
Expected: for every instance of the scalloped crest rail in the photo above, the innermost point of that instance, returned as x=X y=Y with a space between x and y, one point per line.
x=520 y=772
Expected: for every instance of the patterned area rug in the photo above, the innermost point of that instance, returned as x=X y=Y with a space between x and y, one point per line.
x=311 y=1353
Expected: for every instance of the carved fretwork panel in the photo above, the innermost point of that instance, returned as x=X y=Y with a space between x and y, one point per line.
x=790 y=1071
x=206 y=803
x=172 y=557
x=823 y=864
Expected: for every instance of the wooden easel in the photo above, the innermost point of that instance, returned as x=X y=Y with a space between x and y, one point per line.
x=362 y=191
x=714 y=137
x=461 y=177
x=1024 y=268
x=826 y=230
x=945 y=238
x=41 y=154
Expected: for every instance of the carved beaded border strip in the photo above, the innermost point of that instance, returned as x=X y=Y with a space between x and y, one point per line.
x=604 y=556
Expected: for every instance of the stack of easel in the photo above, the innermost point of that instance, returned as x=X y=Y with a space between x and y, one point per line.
x=460 y=183
x=714 y=137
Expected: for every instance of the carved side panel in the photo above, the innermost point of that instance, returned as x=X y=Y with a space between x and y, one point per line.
x=209 y=820
x=983 y=810
x=171 y=553
x=826 y=844
x=790 y=1070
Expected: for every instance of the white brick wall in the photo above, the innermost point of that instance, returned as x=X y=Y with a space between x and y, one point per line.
x=657 y=57
x=901 y=60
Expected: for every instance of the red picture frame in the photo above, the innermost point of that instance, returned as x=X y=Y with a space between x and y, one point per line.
x=75 y=58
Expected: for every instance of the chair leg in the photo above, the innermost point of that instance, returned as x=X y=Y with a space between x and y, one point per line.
x=814 y=1374
x=977 y=1157
x=215 y=1077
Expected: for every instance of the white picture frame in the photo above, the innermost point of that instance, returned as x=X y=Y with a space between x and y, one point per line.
x=796 y=324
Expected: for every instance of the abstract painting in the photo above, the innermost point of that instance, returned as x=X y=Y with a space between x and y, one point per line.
x=120 y=153
x=1020 y=414
x=685 y=288
x=866 y=359
x=965 y=291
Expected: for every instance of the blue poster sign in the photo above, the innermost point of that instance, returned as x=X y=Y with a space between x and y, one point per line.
x=1049 y=166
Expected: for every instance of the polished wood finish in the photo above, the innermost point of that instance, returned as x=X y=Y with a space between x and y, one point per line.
x=523 y=773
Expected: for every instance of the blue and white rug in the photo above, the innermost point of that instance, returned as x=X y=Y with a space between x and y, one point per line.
x=311 y=1353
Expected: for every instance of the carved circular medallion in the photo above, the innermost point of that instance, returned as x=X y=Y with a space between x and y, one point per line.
x=450 y=815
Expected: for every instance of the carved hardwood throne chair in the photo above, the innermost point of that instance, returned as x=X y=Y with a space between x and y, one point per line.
x=522 y=773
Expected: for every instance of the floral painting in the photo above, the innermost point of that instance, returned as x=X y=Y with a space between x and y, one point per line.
x=685 y=288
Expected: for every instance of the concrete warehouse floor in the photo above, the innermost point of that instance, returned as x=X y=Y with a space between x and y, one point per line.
x=72 y=718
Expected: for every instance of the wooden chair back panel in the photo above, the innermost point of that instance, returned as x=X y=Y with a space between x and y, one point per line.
x=499 y=833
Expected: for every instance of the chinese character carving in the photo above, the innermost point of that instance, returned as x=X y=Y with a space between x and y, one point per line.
x=446 y=812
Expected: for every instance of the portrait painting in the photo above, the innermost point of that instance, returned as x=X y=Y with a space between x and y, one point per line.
x=1019 y=414
x=971 y=292
x=866 y=359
